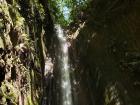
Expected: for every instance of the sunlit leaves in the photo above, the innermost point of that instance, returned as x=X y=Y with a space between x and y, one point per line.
x=65 y=11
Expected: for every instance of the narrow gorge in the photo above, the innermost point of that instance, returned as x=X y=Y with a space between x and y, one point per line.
x=69 y=52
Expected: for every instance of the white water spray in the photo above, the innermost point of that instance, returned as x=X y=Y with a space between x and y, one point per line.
x=64 y=68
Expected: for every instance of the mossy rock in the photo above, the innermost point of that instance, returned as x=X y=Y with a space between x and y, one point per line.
x=8 y=93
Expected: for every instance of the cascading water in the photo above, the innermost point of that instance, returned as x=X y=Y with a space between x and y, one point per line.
x=63 y=59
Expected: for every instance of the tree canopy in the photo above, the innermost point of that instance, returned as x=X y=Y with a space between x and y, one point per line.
x=65 y=11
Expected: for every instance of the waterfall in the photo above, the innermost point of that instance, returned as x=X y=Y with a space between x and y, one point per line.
x=63 y=60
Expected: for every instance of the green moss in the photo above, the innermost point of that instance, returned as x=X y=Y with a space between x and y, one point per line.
x=4 y=9
x=29 y=101
x=12 y=24
x=19 y=21
x=8 y=91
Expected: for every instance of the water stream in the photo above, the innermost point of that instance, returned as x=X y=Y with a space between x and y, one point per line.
x=63 y=59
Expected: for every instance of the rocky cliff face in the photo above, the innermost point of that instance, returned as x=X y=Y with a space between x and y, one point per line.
x=20 y=58
x=108 y=50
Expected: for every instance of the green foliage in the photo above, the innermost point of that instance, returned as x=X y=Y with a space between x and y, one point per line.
x=65 y=11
